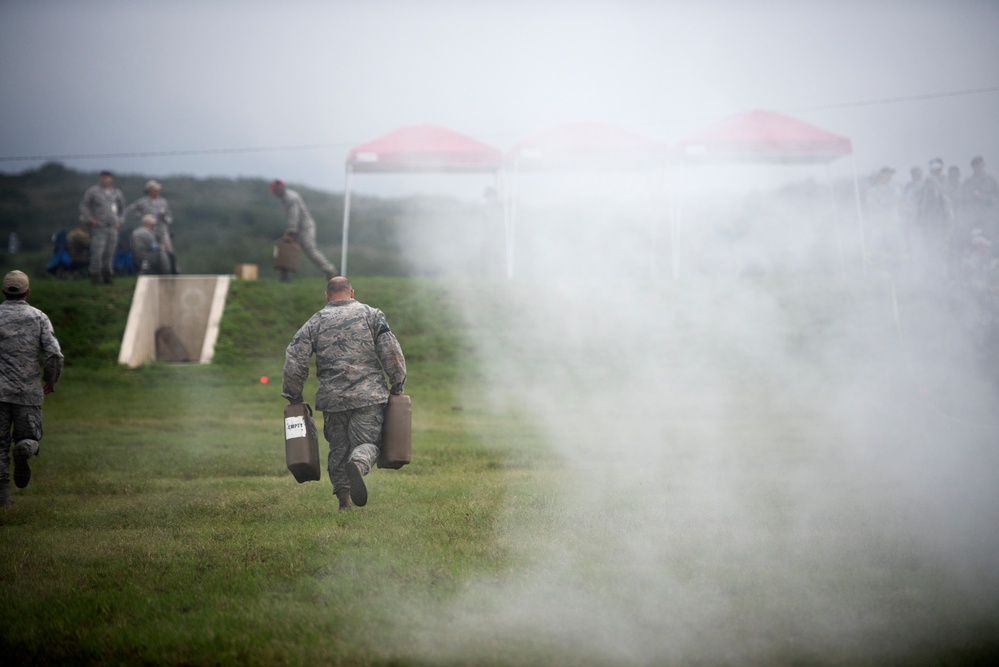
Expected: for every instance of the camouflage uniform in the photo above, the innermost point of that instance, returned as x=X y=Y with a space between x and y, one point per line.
x=147 y=255
x=78 y=245
x=981 y=196
x=159 y=209
x=354 y=350
x=30 y=356
x=106 y=205
x=301 y=224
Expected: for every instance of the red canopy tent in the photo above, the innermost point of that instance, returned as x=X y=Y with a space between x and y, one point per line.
x=765 y=137
x=416 y=148
x=579 y=146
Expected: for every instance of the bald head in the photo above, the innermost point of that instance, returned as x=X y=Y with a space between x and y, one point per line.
x=339 y=288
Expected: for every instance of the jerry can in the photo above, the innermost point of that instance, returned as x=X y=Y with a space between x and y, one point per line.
x=301 y=442
x=397 y=432
x=286 y=254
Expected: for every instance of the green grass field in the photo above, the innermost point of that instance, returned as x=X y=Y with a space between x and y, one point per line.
x=162 y=527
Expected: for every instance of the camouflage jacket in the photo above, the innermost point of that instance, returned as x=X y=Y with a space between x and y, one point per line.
x=299 y=219
x=143 y=245
x=354 y=350
x=29 y=353
x=106 y=205
x=158 y=208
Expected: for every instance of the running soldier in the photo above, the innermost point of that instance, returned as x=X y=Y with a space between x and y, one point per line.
x=301 y=226
x=30 y=364
x=104 y=206
x=355 y=350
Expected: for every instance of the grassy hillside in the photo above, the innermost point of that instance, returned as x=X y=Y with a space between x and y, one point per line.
x=161 y=526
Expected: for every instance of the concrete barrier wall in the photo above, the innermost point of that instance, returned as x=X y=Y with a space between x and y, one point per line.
x=174 y=318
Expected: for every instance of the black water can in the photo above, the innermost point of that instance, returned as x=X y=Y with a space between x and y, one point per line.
x=397 y=433
x=301 y=442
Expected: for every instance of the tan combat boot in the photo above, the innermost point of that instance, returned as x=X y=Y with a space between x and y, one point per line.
x=344 y=498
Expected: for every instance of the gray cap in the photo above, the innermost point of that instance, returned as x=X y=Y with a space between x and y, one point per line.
x=15 y=283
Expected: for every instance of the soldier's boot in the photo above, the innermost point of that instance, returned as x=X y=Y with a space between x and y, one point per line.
x=358 y=491
x=23 y=451
x=5 y=499
x=344 y=498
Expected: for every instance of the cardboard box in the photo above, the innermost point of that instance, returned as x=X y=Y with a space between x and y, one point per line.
x=246 y=271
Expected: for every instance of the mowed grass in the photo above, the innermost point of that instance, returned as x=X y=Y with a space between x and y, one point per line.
x=162 y=527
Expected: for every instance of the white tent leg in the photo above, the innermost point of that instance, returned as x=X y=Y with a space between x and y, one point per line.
x=511 y=220
x=346 y=221
x=836 y=220
x=860 y=215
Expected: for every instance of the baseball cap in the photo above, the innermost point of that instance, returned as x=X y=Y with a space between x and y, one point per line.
x=276 y=183
x=15 y=283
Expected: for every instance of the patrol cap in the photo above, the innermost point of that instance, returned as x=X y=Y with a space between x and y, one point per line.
x=152 y=185
x=276 y=183
x=106 y=172
x=936 y=163
x=15 y=283
x=148 y=219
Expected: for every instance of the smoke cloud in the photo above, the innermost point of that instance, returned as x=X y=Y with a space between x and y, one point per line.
x=772 y=458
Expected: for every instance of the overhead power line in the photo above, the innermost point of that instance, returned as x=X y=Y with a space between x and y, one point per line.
x=195 y=151
x=307 y=147
x=895 y=100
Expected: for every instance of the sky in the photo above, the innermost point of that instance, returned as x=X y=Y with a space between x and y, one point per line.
x=255 y=89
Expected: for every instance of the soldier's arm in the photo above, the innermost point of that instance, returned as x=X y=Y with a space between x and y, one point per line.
x=294 y=216
x=52 y=362
x=85 y=205
x=121 y=208
x=296 y=365
x=389 y=354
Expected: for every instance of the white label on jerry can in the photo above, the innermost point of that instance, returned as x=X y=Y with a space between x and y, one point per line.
x=294 y=427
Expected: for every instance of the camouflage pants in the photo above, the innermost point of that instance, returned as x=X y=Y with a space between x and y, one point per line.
x=354 y=436
x=307 y=239
x=17 y=423
x=103 y=241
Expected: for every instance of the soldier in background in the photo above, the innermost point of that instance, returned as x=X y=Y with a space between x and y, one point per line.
x=104 y=206
x=883 y=202
x=30 y=364
x=155 y=205
x=981 y=200
x=355 y=350
x=78 y=244
x=301 y=227
x=148 y=256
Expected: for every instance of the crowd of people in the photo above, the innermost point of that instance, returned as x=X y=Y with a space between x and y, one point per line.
x=943 y=229
x=936 y=224
x=100 y=245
